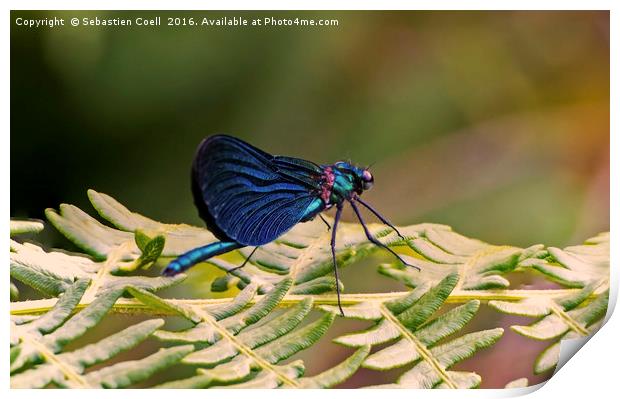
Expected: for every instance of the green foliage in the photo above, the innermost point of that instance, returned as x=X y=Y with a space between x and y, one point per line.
x=38 y=360
x=150 y=251
x=574 y=266
x=25 y=226
x=54 y=271
x=245 y=344
x=565 y=317
x=285 y=306
x=442 y=252
x=406 y=323
x=303 y=254
x=570 y=316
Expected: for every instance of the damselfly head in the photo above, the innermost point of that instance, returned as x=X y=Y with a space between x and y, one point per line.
x=361 y=178
x=367 y=179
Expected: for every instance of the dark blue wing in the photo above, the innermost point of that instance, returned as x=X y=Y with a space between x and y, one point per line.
x=247 y=195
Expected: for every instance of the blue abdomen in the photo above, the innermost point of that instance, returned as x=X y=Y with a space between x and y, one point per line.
x=197 y=255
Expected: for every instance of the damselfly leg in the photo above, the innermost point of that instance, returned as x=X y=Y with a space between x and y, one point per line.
x=245 y=261
x=326 y=222
x=378 y=215
x=372 y=238
x=333 y=245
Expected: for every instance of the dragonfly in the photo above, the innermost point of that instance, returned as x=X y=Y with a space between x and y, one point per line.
x=248 y=198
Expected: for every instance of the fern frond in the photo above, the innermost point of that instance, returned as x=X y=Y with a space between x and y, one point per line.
x=54 y=271
x=442 y=252
x=572 y=316
x=283 y=308
x=414 y=336
x=567 y=317
x=38 y=359
x=245 y=345
x=574 y=266
x=303 y=253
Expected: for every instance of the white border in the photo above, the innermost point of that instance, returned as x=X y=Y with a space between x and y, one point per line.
x=592 y=372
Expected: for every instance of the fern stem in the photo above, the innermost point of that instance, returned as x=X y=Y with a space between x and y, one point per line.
x=129 y=305
x=51 y=357
x=113 y=258
x=264 y=365
x=572 y=323
x=421 y=348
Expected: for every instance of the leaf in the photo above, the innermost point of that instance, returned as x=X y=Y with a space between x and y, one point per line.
x=518 y=383
x=571 y=316
x=150 y=248
x=574 y=266
x=38 y=360
x=565 y=317
x=303 y=254
x=54 y=271
x=124 y=374
x=25 y=226
x=14 y=353
x=245 y=346
x=49 y=272
x=414 y=336
x=339 y=373
x=14 y=291
x=244 y=341
x=442 y=252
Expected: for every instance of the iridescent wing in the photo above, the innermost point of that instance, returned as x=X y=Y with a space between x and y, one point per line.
x=249 y=196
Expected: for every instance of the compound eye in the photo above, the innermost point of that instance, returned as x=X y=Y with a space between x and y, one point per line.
x=367 y=179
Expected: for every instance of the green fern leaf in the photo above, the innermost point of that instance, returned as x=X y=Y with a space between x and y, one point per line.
x=25 y=226
x=442 y=252
x=150 y=250
x=14 y=291
x=406 y=323
x=303 y=254
x=54 y=271
x=245 y=340
x=38 y=359
x=571 y=316
x=575 y=266
x=559 y=318
x=245 y=345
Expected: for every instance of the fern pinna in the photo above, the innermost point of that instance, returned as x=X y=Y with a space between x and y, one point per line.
x=282 y=305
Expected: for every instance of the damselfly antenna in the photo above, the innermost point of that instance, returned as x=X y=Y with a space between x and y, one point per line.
x=370 y=166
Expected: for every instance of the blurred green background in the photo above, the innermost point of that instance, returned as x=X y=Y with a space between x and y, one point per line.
x=496 y=123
